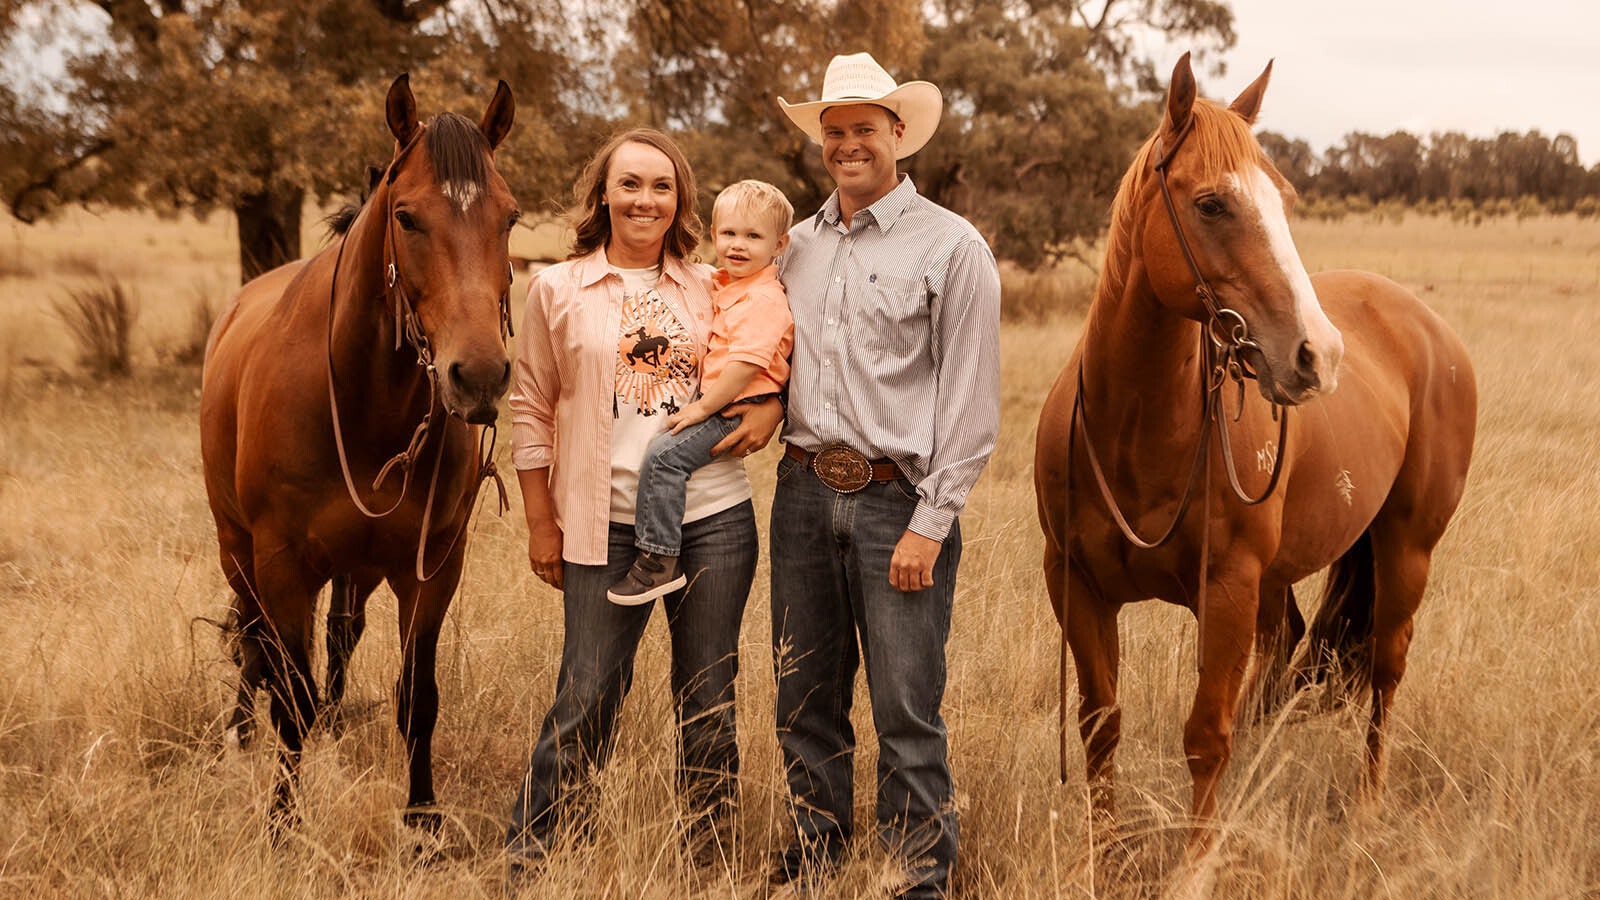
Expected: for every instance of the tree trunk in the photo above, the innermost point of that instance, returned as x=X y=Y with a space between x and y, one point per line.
x=269 y=230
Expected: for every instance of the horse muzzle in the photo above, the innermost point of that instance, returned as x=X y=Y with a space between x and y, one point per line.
x=472 y=389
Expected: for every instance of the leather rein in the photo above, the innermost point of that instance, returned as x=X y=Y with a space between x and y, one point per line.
x=1223 y=335
x=408 y=330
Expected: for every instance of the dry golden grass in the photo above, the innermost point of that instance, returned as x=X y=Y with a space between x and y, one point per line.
x=114 y=780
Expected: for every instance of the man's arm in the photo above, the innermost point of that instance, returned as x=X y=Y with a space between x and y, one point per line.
x=759 y=423
x=967 y=338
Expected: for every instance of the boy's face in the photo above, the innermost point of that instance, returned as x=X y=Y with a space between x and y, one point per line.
x=746 y=244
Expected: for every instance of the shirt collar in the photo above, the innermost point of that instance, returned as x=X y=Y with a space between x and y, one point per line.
x=594 y=267
x=886 y=211
x=728 y=286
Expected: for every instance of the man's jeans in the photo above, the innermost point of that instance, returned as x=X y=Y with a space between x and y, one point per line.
x=664 y=479
x=830 y=584
x=601 y=638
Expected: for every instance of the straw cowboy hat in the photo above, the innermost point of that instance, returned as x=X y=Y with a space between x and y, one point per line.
x=857 y=78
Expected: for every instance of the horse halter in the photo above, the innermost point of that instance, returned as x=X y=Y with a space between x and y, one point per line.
x=408 y=330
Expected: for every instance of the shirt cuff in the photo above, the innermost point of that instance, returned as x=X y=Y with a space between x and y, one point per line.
x=523 y=458
x=933 y=524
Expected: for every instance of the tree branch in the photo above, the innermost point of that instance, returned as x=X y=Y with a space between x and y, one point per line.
x=51 y=181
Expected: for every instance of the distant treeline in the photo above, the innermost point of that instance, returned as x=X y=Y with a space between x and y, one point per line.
x=1449 y=172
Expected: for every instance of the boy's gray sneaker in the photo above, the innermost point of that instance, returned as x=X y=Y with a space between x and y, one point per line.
x=651 y=576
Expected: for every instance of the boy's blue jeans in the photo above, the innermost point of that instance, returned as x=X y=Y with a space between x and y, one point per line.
x=664 y=480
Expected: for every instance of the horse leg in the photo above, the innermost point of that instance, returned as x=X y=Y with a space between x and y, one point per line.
x=1224 y=647
x=247 y=655
x=238 y=565
x=1401 y=573
x=1090 y=629
x=1279 y=630
x=422 y=609
x=288 y=593
x=347 y=619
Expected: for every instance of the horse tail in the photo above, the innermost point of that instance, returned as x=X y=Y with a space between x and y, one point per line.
x=1339 y=646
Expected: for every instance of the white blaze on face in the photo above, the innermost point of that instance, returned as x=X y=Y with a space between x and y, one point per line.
x=1323 y=337
x=462 y=194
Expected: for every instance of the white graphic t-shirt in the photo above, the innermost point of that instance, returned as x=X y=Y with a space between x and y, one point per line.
x=657 y=373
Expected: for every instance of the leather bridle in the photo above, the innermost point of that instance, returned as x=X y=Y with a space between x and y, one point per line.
x=408 y=330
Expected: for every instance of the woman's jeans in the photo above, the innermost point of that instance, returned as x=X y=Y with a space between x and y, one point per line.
x=830 y=586
x=601 y=638
x=664 y=481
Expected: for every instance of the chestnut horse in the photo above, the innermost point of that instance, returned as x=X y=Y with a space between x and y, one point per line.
x=1202 y=289
x=339 y=426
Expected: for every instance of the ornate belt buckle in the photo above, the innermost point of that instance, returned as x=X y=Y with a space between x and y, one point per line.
x=842 y=468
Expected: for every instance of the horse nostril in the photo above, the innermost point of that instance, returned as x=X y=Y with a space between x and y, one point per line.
x=1306 y=363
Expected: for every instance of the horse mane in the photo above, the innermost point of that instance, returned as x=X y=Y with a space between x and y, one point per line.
x=1224 y=143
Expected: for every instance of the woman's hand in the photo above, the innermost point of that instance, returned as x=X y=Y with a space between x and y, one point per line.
x=760 y=421
x=544 y=552
x=544 y=535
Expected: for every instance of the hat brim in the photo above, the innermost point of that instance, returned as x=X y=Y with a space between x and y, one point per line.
x=918 y=104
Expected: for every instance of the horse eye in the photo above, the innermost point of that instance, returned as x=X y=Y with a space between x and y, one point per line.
x=407 y=222
x=1210 y=206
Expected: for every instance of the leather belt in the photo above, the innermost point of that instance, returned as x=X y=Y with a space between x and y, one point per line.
x=844 y=469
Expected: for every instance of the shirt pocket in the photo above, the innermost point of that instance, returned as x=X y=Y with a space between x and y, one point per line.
x=894 y=318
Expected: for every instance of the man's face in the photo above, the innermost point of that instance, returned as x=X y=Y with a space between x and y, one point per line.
x=858 y=149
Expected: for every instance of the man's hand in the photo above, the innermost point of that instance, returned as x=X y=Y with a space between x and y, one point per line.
x=760 y=421
x=544 y=552
x=911 y=567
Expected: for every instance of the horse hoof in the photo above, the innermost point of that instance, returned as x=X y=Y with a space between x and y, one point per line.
x=423 y=818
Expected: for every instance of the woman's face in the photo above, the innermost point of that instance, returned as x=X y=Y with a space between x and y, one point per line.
x=641 y=195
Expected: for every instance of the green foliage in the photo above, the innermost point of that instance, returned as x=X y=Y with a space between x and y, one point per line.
x=252 y=106
x=1034 y=140
x=1446 y=167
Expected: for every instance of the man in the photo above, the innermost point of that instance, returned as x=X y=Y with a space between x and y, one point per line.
x=893 y=409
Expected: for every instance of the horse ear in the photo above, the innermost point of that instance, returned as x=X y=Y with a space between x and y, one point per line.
x=1180 y=95
x=496 y=123
x=1248 y=103
x=401 y=109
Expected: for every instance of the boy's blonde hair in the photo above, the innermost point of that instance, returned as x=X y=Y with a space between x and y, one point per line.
x=755 y=198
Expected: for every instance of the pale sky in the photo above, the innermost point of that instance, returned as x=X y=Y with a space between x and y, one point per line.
x=1379 y=66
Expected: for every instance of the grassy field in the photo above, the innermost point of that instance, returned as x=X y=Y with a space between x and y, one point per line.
x=114 y=780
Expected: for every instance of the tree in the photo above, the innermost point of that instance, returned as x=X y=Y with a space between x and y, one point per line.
x=1044 y=101
x=1294 y=158
x=243 y=105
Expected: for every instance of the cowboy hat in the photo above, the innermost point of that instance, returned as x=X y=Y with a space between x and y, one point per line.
x=857 y=78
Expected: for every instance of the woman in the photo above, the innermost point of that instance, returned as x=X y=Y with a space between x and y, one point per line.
x=610 y=346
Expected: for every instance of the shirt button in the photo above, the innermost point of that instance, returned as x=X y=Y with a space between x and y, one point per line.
x=827 y=362
x=827 y=406
x=837 y=279
x=830 y=321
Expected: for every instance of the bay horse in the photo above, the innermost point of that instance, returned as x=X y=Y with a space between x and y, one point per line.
x=346 y=405
x=1202 y=289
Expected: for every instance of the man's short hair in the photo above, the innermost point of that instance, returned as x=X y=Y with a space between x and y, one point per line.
x=755 y=198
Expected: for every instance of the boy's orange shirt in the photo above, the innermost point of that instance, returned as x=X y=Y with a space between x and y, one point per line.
x=750 y=323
